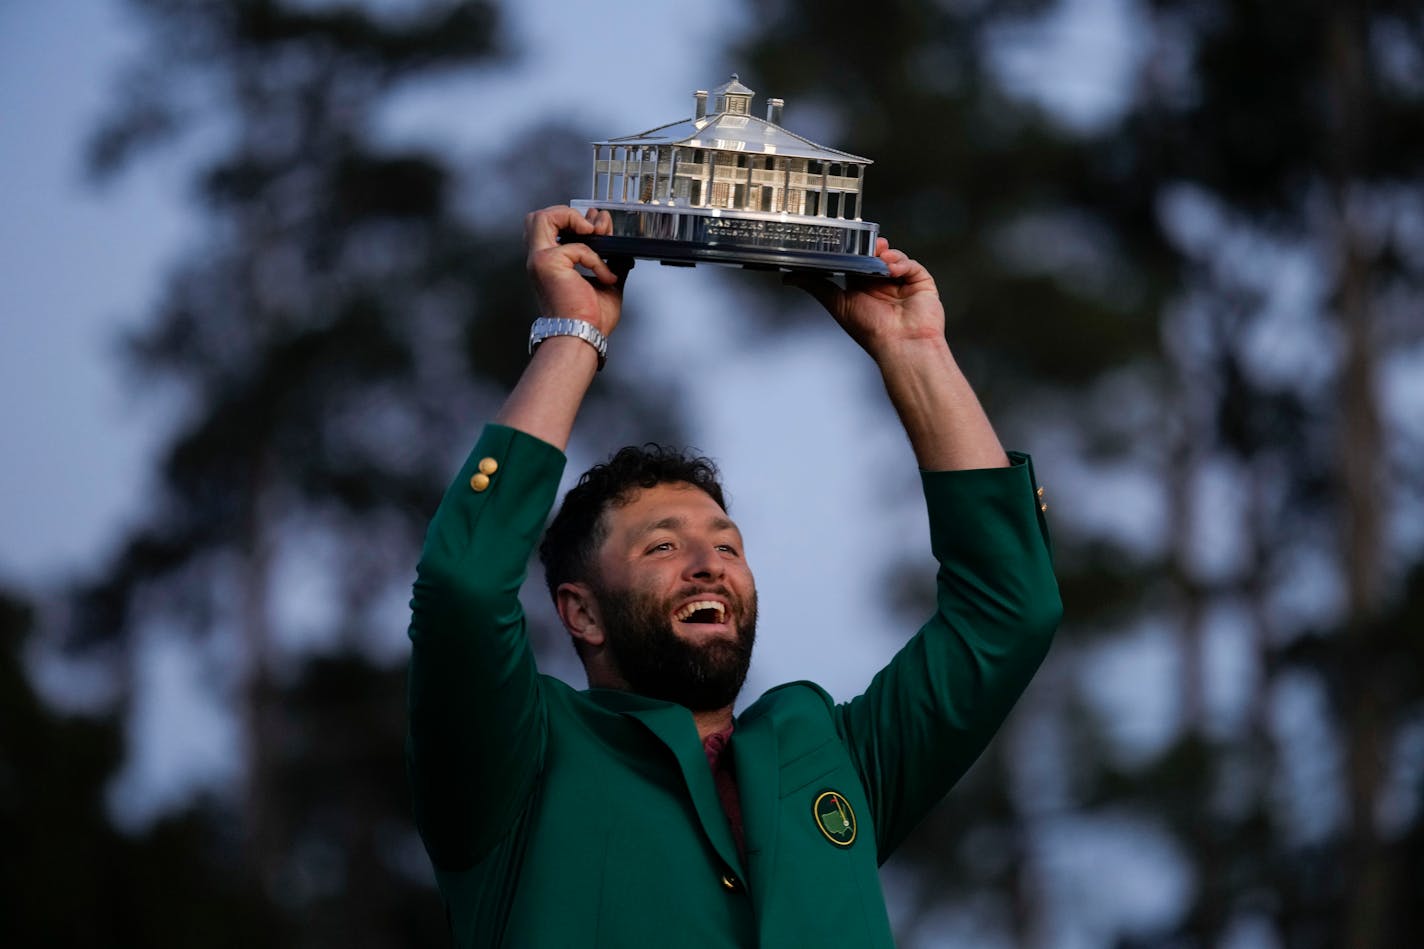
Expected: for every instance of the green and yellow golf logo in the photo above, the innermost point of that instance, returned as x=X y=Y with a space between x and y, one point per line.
x=835 y=818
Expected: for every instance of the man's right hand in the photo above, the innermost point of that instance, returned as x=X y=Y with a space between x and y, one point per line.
x=561 y=289
x=546 y=400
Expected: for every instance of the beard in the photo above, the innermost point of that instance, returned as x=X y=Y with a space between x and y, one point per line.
x=657 y=663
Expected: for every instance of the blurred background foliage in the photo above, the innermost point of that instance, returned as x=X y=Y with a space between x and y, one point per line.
x=1212 y=299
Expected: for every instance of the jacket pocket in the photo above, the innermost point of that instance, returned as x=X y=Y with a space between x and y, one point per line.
x=812 y=766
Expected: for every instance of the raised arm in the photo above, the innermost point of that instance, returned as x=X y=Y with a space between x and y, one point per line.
x=477 y=718
x=926 y=716
x=900 y=323
x=547 y=398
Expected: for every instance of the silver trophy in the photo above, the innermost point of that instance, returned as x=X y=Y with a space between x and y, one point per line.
x=727 y=187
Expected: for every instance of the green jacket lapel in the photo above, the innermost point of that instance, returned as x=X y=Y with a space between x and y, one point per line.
x=673 y=725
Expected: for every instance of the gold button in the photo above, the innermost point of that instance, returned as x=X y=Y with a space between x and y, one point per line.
x=480 y=481
x=730 y=882
x=1040 y=491
x=488 y=466
x=1043 y=508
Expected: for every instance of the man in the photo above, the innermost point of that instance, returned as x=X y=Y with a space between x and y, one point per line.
x=641 y=812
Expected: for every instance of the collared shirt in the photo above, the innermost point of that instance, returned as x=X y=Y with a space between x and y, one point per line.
x=725 y=779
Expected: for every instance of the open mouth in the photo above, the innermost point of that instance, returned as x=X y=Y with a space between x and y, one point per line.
x=702 y=611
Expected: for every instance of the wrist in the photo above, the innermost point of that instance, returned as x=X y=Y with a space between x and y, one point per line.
x=546 y=328
x=891 y=352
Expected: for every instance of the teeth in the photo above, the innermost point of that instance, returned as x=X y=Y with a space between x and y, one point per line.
x=687 y=611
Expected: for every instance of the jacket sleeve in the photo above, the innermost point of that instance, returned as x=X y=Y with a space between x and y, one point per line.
x=928 y=715
x=477 y=716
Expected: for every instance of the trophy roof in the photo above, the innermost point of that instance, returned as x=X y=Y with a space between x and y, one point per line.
x=727 y=131
x=734 y=87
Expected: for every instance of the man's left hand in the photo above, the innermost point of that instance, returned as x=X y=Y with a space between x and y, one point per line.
x=882 y=314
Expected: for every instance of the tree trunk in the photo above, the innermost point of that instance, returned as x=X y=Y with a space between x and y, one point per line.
x=1366 y=860
x=261 y=729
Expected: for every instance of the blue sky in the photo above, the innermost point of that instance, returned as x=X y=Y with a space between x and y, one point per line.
x=76 y=266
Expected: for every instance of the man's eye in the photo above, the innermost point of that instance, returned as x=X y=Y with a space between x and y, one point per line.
x=728 y=548
x=665 y=545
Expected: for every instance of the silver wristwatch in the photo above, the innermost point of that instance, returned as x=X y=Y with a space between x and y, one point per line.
x=545 y=327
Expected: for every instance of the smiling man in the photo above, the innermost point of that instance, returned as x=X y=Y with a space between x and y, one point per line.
x=641 y=812
x=647 y=572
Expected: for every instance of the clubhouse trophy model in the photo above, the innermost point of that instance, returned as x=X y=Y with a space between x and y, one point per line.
x=727 y=187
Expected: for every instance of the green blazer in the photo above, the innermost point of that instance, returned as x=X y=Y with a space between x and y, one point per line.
x=564 y=818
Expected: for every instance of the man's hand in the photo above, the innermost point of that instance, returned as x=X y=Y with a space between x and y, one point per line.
x=561 y=289
x=880 y=314
x=900 y=323
x=547 y=399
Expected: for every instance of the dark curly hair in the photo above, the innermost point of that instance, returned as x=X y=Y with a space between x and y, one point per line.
x=578 y=529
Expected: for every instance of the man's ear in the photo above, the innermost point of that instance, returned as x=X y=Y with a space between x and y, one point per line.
x=579 y=612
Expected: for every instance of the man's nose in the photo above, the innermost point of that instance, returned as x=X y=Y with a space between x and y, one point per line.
x=704 y=561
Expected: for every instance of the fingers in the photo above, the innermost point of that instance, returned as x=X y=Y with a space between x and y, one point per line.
x=896 y=261
x=541 y=228
x=563 y=258
x=901 y=266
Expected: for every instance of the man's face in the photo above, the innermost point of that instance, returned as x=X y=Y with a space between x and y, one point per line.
x=676 y=597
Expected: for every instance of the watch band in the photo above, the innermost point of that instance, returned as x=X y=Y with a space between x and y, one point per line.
x=546 y=326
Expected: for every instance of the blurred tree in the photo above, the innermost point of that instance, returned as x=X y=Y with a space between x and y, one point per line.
x=1213 y=293
x=1302 y=134
x=70 y=879
x=334 y=335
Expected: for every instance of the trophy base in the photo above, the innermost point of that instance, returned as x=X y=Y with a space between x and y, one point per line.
x=678 y=254
x=685 y=237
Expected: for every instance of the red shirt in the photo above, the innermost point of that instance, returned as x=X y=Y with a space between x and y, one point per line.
x=725 y=780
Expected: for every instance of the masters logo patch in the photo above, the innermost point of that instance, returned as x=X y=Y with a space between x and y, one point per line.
x=834 y=817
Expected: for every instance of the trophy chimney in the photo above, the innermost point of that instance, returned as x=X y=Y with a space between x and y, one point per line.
x=700 y=96
x=773 y=110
